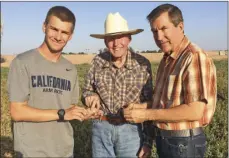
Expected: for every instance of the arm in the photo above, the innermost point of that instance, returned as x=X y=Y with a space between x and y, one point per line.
x=185 y=112
x=18 y=84
x=23 y=112
x=89 y=97
x=147 y=91
x=147 y=125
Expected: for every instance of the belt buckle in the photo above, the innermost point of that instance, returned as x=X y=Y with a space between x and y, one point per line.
x=113 y=119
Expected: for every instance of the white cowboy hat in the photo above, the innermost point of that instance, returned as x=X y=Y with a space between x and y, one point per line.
x=115 y=24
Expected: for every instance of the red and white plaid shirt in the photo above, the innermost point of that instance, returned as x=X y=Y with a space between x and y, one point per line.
x=186 y=75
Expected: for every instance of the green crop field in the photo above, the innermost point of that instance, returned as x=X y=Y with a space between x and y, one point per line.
x=217 y=131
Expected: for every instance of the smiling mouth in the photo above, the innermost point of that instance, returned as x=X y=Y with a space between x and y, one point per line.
x=116 y=49
x=56 y=43
x=163 y=43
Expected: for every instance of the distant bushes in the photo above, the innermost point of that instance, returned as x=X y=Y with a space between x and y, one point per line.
x=71 y=53
x=152 y=51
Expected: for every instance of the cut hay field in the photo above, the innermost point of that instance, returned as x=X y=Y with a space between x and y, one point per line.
x=217 y=131
x=87 y=58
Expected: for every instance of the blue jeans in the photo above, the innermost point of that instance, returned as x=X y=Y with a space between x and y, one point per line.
x=180 y=147
x=115 y=140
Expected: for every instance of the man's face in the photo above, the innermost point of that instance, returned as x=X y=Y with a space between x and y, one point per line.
x=57 y=34
x=118 y=45
x=166 y=35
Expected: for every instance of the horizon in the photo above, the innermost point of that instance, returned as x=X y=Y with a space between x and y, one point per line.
x=22 y=24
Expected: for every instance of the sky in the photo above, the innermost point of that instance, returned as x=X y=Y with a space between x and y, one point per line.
x=205 y=24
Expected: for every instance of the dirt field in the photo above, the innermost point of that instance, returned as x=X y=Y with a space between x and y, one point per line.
x=80 y=59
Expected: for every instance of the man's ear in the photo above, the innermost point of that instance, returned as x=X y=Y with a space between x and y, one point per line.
x=181 y=26
x=130 y=38
x=105 y=42
x=70 y=37
x=44 y=27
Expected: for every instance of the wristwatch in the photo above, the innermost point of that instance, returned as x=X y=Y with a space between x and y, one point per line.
x=61 y=113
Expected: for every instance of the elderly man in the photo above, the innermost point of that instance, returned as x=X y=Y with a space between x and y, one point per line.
x=116 y=78
x=184 y=98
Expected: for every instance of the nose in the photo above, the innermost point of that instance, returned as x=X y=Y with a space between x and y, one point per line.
x=116 y=41
x=58 y=36
x=159 y=35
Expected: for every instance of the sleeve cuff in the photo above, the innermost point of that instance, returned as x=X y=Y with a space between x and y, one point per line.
x=89 y=93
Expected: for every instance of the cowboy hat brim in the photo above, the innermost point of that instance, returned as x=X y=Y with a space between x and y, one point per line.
x=131 y=32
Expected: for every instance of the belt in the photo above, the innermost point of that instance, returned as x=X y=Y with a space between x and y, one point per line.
x=179 y=133
x=113 y=120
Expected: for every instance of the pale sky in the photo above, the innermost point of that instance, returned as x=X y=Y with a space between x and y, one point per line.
x=205 y=24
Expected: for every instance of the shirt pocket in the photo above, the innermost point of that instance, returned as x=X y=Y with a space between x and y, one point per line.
x=134 y=85
x=136 y=77
x=101 y=84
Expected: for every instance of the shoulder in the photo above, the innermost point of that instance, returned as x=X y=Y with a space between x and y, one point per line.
x=140 y=59
x=24 y=57
x=27 y=54
x=194 y=52
x=102 y=58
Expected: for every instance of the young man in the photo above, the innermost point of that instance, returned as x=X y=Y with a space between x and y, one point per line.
x=116 y=78
x=184 y=97
x=43 y=90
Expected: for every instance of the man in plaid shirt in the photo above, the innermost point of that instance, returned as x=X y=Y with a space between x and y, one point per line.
x=118 y=77
x=184 y=98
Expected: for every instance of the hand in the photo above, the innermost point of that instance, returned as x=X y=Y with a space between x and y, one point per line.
x=93 y=113
x=75 y=112
x=136 y=115
x=145 y=152
x=93 y=101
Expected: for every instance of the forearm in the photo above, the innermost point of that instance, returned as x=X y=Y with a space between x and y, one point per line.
x=88 y=88
x=185 y=112
x=147 y=91
x=23 y=112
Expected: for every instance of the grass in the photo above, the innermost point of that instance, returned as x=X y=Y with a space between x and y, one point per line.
x=216 y=132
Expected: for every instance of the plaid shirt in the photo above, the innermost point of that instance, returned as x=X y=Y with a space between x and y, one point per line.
x=185 y=76
x=118 y=87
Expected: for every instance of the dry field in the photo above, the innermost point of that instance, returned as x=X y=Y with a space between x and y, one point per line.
x=216 y=132
x=86 y=58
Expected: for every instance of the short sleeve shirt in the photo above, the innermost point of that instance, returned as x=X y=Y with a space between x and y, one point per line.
x=44 y=85
x=186 y=75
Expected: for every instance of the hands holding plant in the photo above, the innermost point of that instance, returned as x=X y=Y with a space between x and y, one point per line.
x=136 y=113
x=93 y=110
